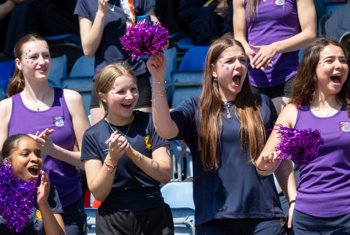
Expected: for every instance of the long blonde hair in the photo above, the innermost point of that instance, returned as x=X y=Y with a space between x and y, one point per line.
x=17 y=84
x=252 y=130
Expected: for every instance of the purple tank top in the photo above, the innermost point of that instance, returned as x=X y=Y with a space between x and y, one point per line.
x=324 y=185
x=64 y=176
x=274 y=20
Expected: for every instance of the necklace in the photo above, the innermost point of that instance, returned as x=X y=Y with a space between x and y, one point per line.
x=228 y=108
x=113 y=129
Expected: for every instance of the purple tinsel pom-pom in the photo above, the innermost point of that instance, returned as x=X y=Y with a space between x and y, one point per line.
x=144 y=39
x=302 y=146
x=17 y=199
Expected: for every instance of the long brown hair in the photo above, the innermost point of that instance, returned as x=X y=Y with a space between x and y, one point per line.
x=16 y=85
x=252 y=131
x=305 y=85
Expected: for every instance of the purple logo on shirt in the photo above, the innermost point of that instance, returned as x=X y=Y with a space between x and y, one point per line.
x=58 y=121
x=345 y=126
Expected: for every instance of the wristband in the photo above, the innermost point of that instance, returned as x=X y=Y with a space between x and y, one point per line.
x=291 y=202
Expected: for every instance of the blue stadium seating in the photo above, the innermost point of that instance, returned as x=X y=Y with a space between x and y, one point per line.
x=58 y=70
x=179 y=196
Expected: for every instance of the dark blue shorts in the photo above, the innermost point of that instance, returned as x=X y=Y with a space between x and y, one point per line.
x=311 y=225
x=154 y=221
x=242 y=227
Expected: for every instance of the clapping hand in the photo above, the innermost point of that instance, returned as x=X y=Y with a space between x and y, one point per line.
x=118 y=144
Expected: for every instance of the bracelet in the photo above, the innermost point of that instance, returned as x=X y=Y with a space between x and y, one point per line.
x=110 y=168
x=291 y=202
x=158 y=82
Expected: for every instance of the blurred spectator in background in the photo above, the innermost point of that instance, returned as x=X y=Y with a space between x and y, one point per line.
x=102 y=23
x=272 y=33
x=167 y=13
x=337 y=27
x=44 y=17
x=6 y=6
x=206 y=19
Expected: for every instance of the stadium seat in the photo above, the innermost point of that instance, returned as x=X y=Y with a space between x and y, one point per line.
x=179 y=196
x=7 y=69
x=58 y=70
x=83 y=66
x=83 y=85
x=91 y=220
x=194 y=58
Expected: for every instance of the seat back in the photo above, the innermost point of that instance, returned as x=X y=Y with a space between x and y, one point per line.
x=179 y=196
x=7 y=69
x=194 y=58
x=58 y=70
x=184 y=85
x=83 y=66
x=83 y=85
x=91 y=220
x=171 y=57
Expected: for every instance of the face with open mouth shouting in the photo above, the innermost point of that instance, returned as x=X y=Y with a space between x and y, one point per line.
x=332 y=70
x=26 y=159
x=230 y=70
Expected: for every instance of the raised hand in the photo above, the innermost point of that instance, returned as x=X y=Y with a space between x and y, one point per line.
x=43 y=189
x=156 y=65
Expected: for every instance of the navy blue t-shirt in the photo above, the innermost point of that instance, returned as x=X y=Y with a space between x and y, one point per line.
x=132 y=189
x=110 y=49
x=235 y=190
x=36 y=225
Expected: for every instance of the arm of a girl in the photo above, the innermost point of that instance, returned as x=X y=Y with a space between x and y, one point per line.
x=53 y=223
x=163 y=123
x=158 y=167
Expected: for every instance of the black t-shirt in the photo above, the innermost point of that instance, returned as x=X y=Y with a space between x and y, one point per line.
x=132 y=189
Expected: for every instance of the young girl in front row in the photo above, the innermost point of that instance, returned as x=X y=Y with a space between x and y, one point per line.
x=125 y=161
x=225 y=130
x=320 y=99
x=25 y=209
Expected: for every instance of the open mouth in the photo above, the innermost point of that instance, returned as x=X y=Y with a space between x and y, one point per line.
x=236 y=80
x=336 y=78
x=127 y=106
x=34 y=170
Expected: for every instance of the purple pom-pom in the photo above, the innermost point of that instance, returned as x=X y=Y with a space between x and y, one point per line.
x=302 y=146
x=17 y=199
x=144 y=39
